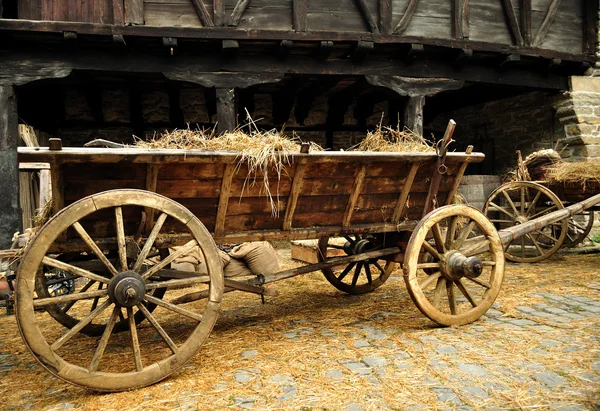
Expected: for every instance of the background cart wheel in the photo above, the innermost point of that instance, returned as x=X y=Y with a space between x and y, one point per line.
x=461 y=277
x=579 y=228
x=518 y=202
x=360 y=277
x=149 y=351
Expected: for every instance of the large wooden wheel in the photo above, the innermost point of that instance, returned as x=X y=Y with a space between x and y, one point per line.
x=150 y=350
x=454 y=279
x=521 y=201
x=360 y=277
x=579 y=228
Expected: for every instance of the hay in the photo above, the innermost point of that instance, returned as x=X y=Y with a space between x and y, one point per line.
x=574 y=172
x=388 y=139
x=534 y=167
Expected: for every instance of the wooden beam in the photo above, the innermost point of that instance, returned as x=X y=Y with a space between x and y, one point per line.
x=300 y=15
x=458 y=177
x=526 y=22
x=362 y=50
x=224 y=198
x=401 y=204
x=414 y=87
x=545 y=26
x=238 y=11
x=413 y=114
x=385 y=16
x=460 y=11
x=407 y=17
x=203 y=13
x=226 y=113
x=223 y=79
x=134 y=12
x=356 y=188
x=511 y=22
x=219 y=12
x=294 y=193
x=590 y=27
x=367 y=16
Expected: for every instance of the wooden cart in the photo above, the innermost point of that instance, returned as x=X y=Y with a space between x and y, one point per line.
x=517 y=202
x=120 y=212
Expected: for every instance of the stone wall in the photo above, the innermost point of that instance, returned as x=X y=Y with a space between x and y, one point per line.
x=498 y=128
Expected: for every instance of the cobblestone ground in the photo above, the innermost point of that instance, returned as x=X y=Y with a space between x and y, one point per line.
x=315 y=348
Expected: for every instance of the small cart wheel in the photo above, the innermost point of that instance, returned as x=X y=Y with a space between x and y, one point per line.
x=579 y=228
x=454 y=279
x=360 y=277
x=149 y=351
x=521 y=201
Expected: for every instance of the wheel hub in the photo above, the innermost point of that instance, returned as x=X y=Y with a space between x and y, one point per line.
x=520 y=219
x=127 y=289
x=455 y=266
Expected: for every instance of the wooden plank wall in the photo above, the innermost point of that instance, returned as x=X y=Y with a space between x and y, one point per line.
x=93 y=11
x=321 y=201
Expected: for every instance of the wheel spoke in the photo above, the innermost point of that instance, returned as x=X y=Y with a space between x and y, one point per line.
x=465 y=292
x=135 y=344
x=512 y=205
x=72 y=303
x=451 y=299
x=376 y=264
x=548 y=236
x=523 y=246
x=94 y=247
x=437 y=237
x=463 y=236
x=349 y=239
x=536 y=244
x=175 y=308
x=428 y=265
x=368 y=272
x=158 y=328
x=346 y=271
x=450 y=236
x=478 y=248
x=532 y=204
x=438 y=292
x=522 y=205
x=104 y=340
x=336 y=246
x=480 y=282
x=168 y=260
x=501 y=209
x=429 y=248
x=357 y=273
x=429 y=280
x=79 y=326
x=178 y=283
x=121 y=238
x=95 y=302
x=74 y=270
x=41 y=302
x=149 y=242
x=503 y=221
x=543 y=212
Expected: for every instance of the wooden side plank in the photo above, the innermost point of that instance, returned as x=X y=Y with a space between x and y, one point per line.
x=548 y=20
x=151 y=185
x=219 y=12
x=511 y=22
x=224 y=198
x=458 y=178
x=300 y=19
x=385 y=16
x=238 y=11
x=134 y=12
x=358 y=182
x=293 y=198
x=408 y=182
x=118 y=12
x=461 y=19
x=368 y=17
x=203 y=14
x=407 y=17
x=526 y=11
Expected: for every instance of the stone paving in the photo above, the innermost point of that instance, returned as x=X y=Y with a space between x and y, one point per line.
x=543 y=354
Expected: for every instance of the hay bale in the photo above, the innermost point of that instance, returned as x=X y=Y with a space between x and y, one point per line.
x=388 y=139
x=581 y=172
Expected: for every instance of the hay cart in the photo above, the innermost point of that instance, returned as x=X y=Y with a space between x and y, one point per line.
x=517 y=202
x=119 y=213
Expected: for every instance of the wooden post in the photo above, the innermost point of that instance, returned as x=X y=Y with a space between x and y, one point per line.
x=10 y=212
x=226 y=117
x=134 y=12
x=413 y=114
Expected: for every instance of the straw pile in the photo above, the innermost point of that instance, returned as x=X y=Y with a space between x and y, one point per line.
x=390 y=139
x=574 y=172
x=534 y=166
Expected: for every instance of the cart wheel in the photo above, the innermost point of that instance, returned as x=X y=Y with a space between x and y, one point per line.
x=518 y=202
x=46 y=288
x=579 y=228
x=462 y=276
x=149 y=351
x=365 y=276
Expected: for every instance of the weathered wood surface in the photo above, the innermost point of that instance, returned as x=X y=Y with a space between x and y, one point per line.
x=549 y=24
x=360 y=189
